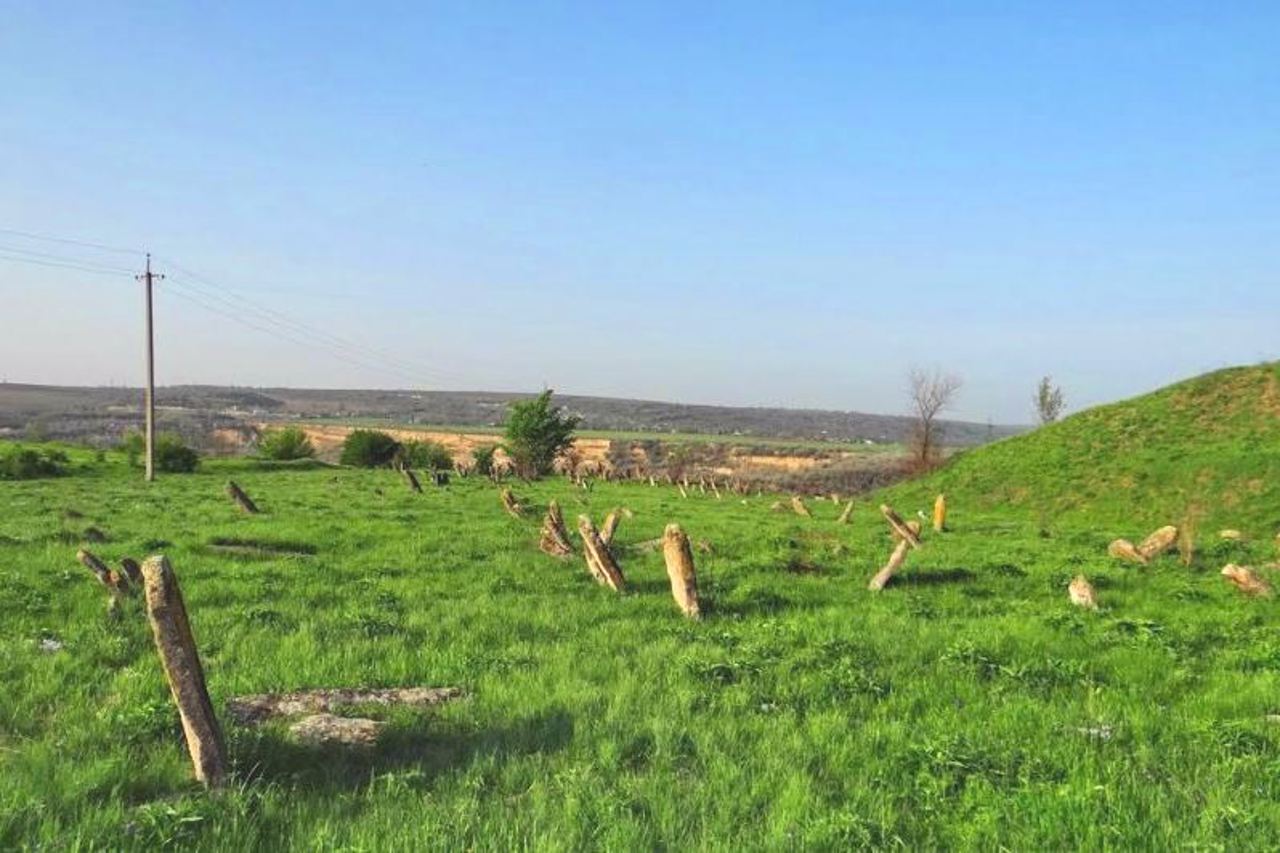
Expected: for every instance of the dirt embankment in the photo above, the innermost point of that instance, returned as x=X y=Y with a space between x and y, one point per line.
x=815 y=470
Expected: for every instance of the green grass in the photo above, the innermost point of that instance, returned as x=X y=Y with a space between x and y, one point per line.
x=967 y=706
x=1208 y=447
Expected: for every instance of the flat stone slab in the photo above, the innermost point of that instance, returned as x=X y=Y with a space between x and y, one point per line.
x=323 y=729
x=251 y=710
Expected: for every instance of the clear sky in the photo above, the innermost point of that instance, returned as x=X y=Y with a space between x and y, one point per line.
x=787 y=203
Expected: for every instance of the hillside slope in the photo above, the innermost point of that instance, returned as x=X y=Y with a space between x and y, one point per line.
x=1207 y=448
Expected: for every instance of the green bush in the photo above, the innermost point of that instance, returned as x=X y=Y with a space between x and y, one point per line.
x=173 y=456
x=369 y=448
x=484 y=458
x=426 y=454
x=133 y=445
x=286 y=443
x=537 y=433
x=22 y=463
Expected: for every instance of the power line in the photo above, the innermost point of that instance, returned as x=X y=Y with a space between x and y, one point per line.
x=70 y=242
x=201 y=291
x=64 y=259
x=70 y=266
x=305 y=335
x=264 y=325
x=334 y=339
x=277 y=331
x=237 y=302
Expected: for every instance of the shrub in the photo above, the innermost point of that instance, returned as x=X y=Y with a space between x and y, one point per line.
x=369 y=448
x=21 y=463
x=133 y=446
x=173 y=456
x=426 y=454
x=484 y=458
x=286 y=443
x=537 y=433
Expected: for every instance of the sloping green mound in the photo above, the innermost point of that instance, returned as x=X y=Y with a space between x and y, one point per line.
x=1207 y=449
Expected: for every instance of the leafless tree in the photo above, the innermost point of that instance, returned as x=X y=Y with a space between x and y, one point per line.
x=1049 y=401
x=931 y=392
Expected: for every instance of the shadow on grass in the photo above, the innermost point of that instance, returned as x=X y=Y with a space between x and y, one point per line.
x=234 y=546
x=755 y=603
x=933 y=577
x=648 y=586
x=290 y=465
x=797 y=566
x=426 y=747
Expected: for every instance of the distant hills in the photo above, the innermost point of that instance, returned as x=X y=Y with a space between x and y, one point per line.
x=84 y=413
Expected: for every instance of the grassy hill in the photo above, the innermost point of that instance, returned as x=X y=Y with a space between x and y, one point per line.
x=1207 y=449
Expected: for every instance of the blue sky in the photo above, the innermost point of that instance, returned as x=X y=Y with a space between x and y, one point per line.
x=737 y=203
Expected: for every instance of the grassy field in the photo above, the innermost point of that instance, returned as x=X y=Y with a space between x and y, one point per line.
x=966 y=706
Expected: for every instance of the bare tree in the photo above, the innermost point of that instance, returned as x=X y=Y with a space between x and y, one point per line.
x=931 y=393
x=1049 y=401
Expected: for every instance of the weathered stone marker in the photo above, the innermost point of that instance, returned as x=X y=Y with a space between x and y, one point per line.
x=648 y=545
x=555 y=538
x=610 y=526
x=1081 y=593
x=679 y=558
x=99 y=568
x=237 y=494
x=411 y=480
x=940 y=513
x=913 y=525
x=1246 y=580
x=908 y=534
x=1122 y=549
x=258 y=708
x=117 y=584
x=844 y=516
x=132 y=570
x=325 y=729
x=181 y=660
x=1158 y=542
x=511 y=505
x=599 y=559
x=896 y=559
x=797 y=504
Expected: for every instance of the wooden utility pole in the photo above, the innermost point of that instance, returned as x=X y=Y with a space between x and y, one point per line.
x=147 y=278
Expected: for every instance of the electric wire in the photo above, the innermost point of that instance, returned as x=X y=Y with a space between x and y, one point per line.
x=275 y=331
x=60 y=265
x=218 y=299
x=30 y=235
x=234 y=300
